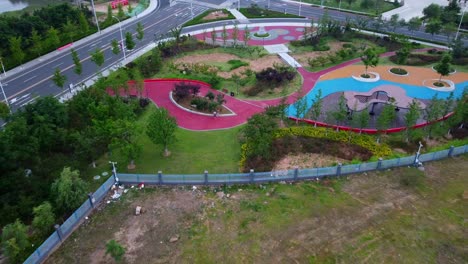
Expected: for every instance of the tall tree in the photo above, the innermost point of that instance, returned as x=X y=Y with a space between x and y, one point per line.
x=115 y=250
x=15 y=242
x=414 y=24
x=4 y=111
x=385 y=118
x=213 y=36
x=394 y=22
x=361 y=119
x=161 y=128
x=120 y=12
x=97 y=56
x=300 y=106
x=69 y=190
x=129 y=42
x=76 y=60
x=432 y=11
x=449 y=29
x=341 y=110
x=44 y=219
x=370 y=58
x=235 y=34
x=316 y=108
x=52 y=38
x=69 y=29
x=246 y=35
x=433 y=27
x=411 y=117
x=125 y=139
x=443 y=67
x=224 y=35
x=83 y=22
x=16 y=49
x=108 y=20
x=59 y=79
x=140 y=31
x=36 y=42
x=115 y=47
x=433 y=112
x=403 y=53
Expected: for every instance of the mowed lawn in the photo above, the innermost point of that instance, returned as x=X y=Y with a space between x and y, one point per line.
x=192 y=153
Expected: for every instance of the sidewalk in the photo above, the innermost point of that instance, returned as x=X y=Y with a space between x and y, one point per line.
x=153 y=6
x=238 y=15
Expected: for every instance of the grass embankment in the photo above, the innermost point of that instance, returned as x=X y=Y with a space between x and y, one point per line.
x=203 y=17
x=386 y=217
x=356 y=5
x=263 y=13
x=193 y=152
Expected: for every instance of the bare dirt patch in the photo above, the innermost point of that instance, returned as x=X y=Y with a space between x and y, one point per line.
x=306 y=160
x=215 y=15
x=208 y=59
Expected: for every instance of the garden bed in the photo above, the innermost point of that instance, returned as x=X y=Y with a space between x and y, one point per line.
x=399 y=71
x=186 y=104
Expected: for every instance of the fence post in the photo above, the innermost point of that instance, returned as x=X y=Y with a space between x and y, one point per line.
x=59 y=232
x=296 y=173
x=379 y=164
x=91 y=199
x=252 y=175
x=450 y=153
x=160 y=177
x=338 y=169
x=206 y=177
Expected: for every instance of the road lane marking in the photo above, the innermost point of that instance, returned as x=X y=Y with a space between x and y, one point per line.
x=30 y=78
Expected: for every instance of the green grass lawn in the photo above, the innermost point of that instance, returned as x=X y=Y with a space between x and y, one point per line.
x=263 y=13
x=374 y=9
x=200 y=18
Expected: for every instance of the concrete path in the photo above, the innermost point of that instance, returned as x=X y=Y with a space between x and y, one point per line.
x=238 y=15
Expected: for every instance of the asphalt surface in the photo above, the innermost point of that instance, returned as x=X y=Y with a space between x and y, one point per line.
x=24 y=86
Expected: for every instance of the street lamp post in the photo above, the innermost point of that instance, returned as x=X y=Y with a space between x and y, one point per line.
x=300 y=6
x=238 y=5
x=4 y=95
x=268 y=4
x=121 y=37
x=95 y=16
x=461 y=20
x=3 y=67
x=191 y=8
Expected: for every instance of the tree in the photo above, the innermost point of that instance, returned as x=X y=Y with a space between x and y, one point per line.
x=341 y=110
x=246 y=35
x=83 y=22
x=161 y=128
x=213 y=36
x=115 y=250
x=235 y=34
x=44 y=219
x=97 y=56
x=115 y=47
x=129 y=42
x=433 y=112
x=76 y=60
x=394 y=22
x=258 y=134
x=370 y=58
x=129 y=8
x=448 y=29
x=443 y=67
x=224 y=35
x=15 y=241
x=403 y=53
x=69 y=30
x=69 y=190
x=432 y=11
x=414 y=24
x=108 y=20
x=124 y=138
x=386 y=117
x=236 y=78
x=59 y=79
x=411 y=117
x=316 y=108
x=140 y=31
x=350 y=2
x=433 y=27
x=300 y=106
x=16 y=49
x=4 y=110
x=36 y=42
x=361 y=119
x=120 y=12
x=52 y=38
x=139 y=81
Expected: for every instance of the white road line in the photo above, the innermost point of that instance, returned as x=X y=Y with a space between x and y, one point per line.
x=30 y=78
x=59 y=64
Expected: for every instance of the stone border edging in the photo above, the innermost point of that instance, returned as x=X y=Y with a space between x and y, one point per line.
x=368 y=80
x=199 y=113
x=401 y=75
x=440 y=89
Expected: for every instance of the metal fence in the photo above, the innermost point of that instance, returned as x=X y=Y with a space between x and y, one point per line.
x=283 y=175
x=63 y=231
x=67 y=228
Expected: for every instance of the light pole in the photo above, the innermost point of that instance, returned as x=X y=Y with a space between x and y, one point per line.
x=121 y=37
x=339 y=6
x=461 y=20
x=300 y=6
x=238 y=5
x=4 y=95
x=95 y=17
x=191 y=8
x=268 y=4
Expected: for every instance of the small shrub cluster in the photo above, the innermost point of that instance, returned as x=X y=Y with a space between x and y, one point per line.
x=234 y=64
x=270 y=77
x=418 y=59
x=332 y=58
x=398 y=71
x=208 y=102
x=183 y=90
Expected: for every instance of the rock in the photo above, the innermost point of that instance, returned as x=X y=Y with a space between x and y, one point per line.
x=465 y=195
x=220 y=195
x=138 y=210
x=331 y=190
x=267 y=194
x=421 y=168
x=174 y=239
x=228 y=195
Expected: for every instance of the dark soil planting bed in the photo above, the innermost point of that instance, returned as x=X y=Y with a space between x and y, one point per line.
x=398 y=71
x=295 y=145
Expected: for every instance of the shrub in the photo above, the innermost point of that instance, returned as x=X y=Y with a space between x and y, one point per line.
x=237 y=64
x=348 y=45
x=210 y=96
x=182 y=90
x=398 y=71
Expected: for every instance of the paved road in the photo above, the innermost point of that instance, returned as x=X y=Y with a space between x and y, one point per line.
x=22 y=87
